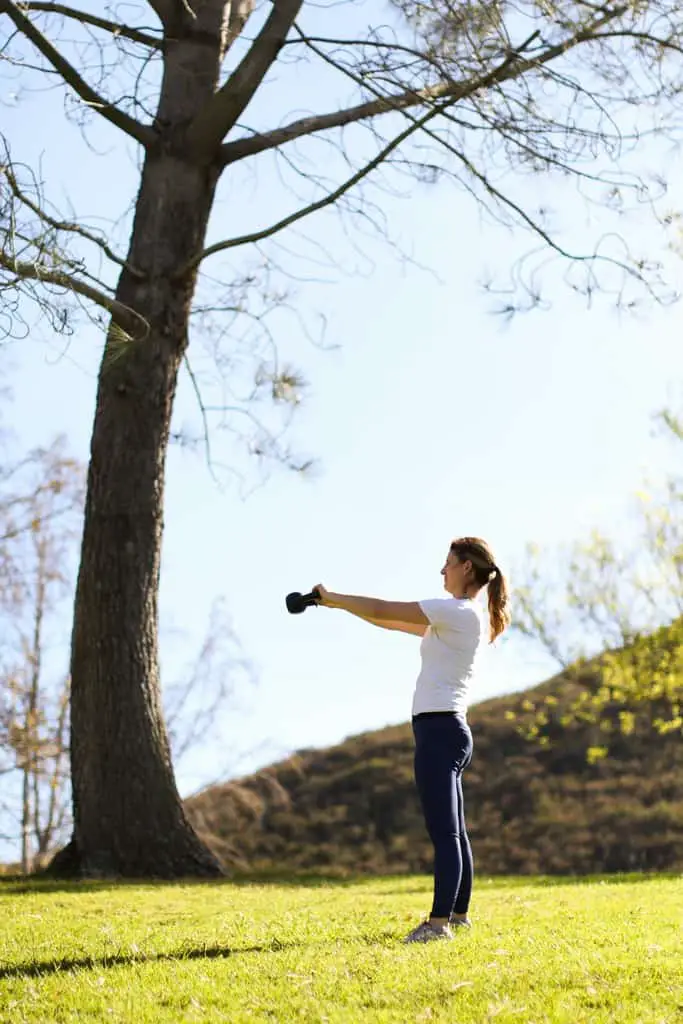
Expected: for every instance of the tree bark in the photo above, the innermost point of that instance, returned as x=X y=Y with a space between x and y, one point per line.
x=129 y=820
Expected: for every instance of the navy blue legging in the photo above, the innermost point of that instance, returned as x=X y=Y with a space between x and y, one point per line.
x=443 y=749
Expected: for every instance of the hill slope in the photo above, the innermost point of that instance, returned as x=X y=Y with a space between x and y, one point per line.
x=531 y=809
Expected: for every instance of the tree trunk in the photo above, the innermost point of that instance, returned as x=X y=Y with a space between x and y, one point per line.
x=26 y=816
x=30 y=811
x=128 y=817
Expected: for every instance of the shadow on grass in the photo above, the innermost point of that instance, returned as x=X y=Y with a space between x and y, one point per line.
x=45 y=968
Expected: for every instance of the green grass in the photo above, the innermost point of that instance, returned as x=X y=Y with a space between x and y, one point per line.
x=607 y=950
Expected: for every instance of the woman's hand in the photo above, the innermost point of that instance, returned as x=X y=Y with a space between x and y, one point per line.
x=324 y=595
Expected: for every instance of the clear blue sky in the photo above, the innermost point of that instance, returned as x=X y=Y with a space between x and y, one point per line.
x=431 y=419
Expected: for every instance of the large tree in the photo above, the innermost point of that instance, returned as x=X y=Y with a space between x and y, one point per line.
x=472 y=90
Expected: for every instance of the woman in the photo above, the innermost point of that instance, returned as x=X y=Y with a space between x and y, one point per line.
x=453 y=636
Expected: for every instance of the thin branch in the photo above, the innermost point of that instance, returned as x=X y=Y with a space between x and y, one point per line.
x=513 y=66
x=124 y=31
x=216 y=120
x=258 y=143
x=123 y=315
x=525 y=218
x=320 y=204
x=202 y=410
x=378 y=44
x=66 y=226
x=144 y=135
x=533 y=153
x=644 y=37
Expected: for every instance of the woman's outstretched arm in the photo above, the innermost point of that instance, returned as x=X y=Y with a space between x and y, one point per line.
x=372 y=609
x=400 y=627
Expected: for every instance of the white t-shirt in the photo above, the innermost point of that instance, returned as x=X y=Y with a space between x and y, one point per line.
x=449 y=652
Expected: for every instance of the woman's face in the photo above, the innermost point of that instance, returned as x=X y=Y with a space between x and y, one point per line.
x=456 y=575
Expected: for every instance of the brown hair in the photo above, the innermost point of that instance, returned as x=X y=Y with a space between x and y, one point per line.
x=486 y=572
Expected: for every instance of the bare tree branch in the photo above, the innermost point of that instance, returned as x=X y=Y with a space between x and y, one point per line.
x=59 y=225
x=644 y=37
x=116 y=29
x=141 y=133
x=503 y=198
x=258 y=143
x=202 y=410
x=320 y=204
x=216 y=120
x=362 y=112
x=534 y=225
x=513 y=66
x=125 y=317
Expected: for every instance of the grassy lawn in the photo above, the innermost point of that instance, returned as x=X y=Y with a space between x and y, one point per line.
x=573 y=951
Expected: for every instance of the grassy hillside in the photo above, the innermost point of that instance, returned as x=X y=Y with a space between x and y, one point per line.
x=569 y=953
x=532 y=809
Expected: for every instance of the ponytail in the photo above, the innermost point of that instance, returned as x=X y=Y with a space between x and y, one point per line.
x=499 y=615
x=486 y=573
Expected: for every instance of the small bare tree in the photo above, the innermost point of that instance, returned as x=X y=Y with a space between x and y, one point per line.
x=41 y=510
x=41 y=507
x=216 y=681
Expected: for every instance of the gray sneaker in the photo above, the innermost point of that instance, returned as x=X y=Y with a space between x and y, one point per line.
x=427 y=932
x=458 y=923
